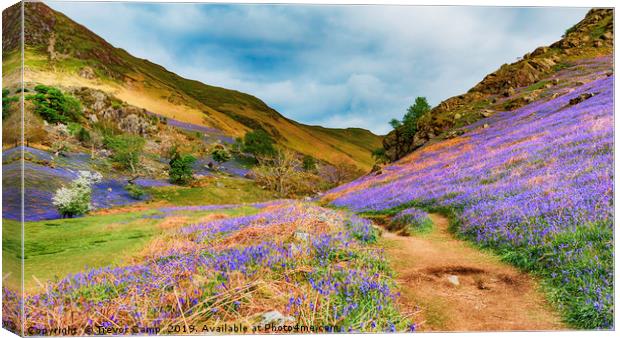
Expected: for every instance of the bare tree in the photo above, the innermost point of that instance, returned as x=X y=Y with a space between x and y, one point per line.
x=284 y=174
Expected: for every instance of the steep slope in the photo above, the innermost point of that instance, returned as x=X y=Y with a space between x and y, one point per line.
x=60 y=52
x=511 y=86
x=534 y=184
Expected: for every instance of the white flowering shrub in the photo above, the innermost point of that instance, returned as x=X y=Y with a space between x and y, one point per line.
x=75 y=199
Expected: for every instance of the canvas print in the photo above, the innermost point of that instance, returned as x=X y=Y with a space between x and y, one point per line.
x=210 y=168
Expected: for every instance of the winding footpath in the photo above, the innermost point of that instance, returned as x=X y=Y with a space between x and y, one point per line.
x=452 y=286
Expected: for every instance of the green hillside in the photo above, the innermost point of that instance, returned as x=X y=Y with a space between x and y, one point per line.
x=61 y=52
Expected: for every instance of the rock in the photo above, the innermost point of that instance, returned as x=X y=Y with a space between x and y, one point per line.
x=454 y=280
x=555 y=82
x=418 y=142
x=87 y=73
x=485 y=126
x=301 y=236
x=580 y=98
x=607 y=36
x=579 y=83
x=597 y=43
x=275 y=317
x=539 y=51
x=487 y=113
x=609 y=73
x=454 y=133
x=457 y=116
x=543 y=64
x=555 y=95
x=133 y=123
x=93 y=118
x=509 y=92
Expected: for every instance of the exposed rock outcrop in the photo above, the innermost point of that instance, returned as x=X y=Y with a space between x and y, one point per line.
x=99 y=106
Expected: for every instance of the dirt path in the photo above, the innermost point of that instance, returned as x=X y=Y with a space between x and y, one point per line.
x=490 y=295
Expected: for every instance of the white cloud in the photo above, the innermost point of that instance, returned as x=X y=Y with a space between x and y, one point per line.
x=338 y=66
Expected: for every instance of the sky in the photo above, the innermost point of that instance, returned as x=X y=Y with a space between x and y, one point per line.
x=329 y=65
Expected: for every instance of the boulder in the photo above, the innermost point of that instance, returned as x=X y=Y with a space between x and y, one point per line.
x=275 y=317
x=454 y=280
x=87 y=73
x=509 y=92
x=539 y=51
x=487 y=113
x=301 y=236
x=135 y=124
x=580 y=98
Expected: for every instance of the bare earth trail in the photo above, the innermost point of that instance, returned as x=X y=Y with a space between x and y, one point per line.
x=490 y=295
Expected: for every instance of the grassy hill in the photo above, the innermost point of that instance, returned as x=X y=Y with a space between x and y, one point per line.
x=61 y=52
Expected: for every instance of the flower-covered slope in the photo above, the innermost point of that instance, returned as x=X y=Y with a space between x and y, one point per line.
x=536 y=184
x=314 y=266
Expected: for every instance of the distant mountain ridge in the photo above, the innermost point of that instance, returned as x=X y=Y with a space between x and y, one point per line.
x=59 y=51
x=511 y=86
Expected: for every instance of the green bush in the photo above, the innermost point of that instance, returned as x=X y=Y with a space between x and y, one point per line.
x=379 y=155
x=127 y=150
x=181 y=171
x=220 y=154
x=83 y=135
x=135 y=191
x=259 y=144
x=309 y=163
x=54 y=106
x=237 y=147
x=6 y=102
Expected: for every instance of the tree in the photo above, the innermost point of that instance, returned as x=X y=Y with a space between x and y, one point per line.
x=54 y=106
x=220 y=154
x=75 y=199
x=181 y=171
x=395 y=123
x=127 y=151
x=414 y=112
x=340 y=172
x=282 y=174
x=409 y=123
x=309 y=163
x=259 y=144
